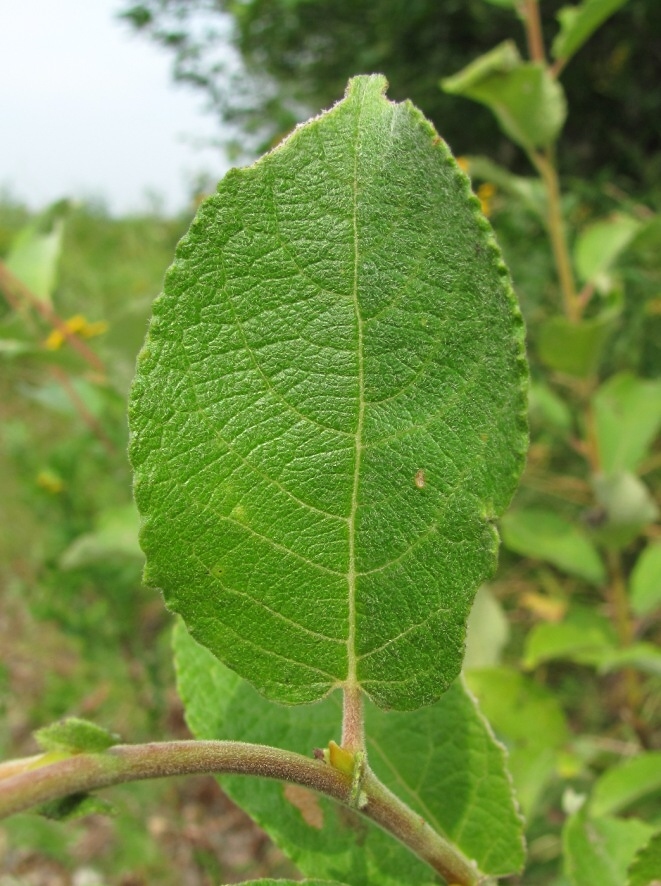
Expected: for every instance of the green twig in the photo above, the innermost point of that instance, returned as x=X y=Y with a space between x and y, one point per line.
x=545 y=165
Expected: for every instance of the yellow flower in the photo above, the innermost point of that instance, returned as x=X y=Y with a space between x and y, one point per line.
x=50 y=481
x=463 y=163
x=485 y=195
x=77 y=325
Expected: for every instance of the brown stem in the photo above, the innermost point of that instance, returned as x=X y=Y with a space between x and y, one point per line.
x=625 y=627
x=25 y=784
x=15 y=290
x=79 y=404
x=534 y=36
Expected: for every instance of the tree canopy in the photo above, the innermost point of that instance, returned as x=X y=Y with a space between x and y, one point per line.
x=264 y=64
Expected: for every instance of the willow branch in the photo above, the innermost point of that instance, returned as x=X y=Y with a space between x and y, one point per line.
x=27 y=783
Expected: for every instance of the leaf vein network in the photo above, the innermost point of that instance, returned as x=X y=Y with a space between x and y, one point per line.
x=274 y=612
x=270 y=652
x=259 y=471
x=266 y=379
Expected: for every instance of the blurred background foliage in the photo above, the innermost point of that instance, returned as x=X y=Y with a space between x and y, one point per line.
x=264 y=65
x=563 y=646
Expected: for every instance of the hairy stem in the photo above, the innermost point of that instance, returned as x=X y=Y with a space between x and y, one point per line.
x=353 y=725
x=25 y=784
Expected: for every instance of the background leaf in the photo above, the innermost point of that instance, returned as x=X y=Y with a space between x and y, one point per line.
x=576 y=348
x=623 y=785
x=577 y=23
x=645 y=583
x=35 y=251
x=599 y=246
x=644 y=870
x=627 y=412
x=527 y=101
x=600 y=850
x=545 y=535
x=583 y=637
x=328 y=411
x=442 y=760
x=512 y=702
x=488 y=631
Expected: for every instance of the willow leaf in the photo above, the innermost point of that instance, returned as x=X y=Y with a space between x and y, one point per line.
x=328 y=413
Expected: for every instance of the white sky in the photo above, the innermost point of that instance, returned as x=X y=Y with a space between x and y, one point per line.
x=88 y=110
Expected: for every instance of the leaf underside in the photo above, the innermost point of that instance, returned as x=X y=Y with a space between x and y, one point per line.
x=328 y=413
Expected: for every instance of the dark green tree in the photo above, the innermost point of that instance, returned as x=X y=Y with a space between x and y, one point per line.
x=264 y=64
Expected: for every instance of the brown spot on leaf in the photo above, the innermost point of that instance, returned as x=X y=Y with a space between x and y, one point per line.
x=419 y=479
x=307 y=804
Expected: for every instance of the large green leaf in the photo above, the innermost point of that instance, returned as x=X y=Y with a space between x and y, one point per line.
x=329 y=411
x=442 y=760
x=527 y=101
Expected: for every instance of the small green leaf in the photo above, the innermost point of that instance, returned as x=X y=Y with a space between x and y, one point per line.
x=548 y=410
x=328 y=412
x=599 y=850
x=625 y=784
x=599 y=246
x=584 y=637
x=35 y=252
x=75 y=736
x=75 y=806
x=578 y=23
x=545 y=535
x=644 y=657
x=116 y=535
x=628 y=507
x=627 y=414
x=488 y=631
x=645 y=870
x=576 y=348
x=442 y=760
x=512 y=702
x=645 y=582
x=528 y=102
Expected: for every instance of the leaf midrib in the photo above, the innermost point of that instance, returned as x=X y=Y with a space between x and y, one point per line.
x=352 y=678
